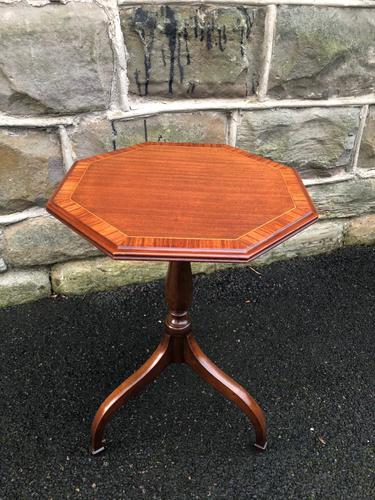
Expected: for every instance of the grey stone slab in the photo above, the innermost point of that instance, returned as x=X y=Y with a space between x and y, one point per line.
x=319 y=238
x=19 y=286
x=317 y=141
x=92 y=275
x=56 y=58
x=321 y=52
x=172 y=127
x=92 y=136
x=366 y=158
x=30 y=167
x=103 y=273
x=344 y=199
x=43 y=240
x=360 y=231
x=195 y=51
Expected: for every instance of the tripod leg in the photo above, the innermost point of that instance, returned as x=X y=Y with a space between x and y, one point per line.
x=132 y=386
x=206 y=369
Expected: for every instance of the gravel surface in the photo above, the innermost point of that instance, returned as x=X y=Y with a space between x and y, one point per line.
x=299 y=336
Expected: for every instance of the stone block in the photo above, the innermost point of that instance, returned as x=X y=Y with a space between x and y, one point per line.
x=193 y=51
x=366 y=158
x=317 y=141
x=30 y=167
x=344 y=199
x=130 y=132
x=172 y=127
x=360 y=231
x=19 y=286
x=321 y=52
x=103 y=273
x=43 y=240
x=54 y=59
x=92 y=136
x=321 y=237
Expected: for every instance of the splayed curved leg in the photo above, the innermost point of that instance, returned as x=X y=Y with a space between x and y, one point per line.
x=132 y=386
x=205 y=368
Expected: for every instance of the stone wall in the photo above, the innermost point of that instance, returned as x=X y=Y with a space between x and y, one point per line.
x=294 y=82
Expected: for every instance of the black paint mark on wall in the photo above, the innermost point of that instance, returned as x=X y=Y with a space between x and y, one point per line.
x=196 y=26
x=114 y=135
x=179 y=63
x=221 y=39
x=145 y=25
x=163 y=57
x=205 y=25
x=171 y=34
x=145 y=130
x=185 y=34
x=191 y=88
x=242 y=41
x=138 y=82
x=249 y=20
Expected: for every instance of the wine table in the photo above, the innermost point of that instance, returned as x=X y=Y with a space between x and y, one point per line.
x=182 y=203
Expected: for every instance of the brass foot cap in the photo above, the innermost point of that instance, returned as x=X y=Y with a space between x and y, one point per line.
x=96 y=452
x=260 y=447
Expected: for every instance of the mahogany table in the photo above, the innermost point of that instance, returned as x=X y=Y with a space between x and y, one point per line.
x=182 y=202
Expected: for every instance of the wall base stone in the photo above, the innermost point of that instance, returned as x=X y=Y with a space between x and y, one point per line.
x=361 y=231
x=103 y=273
x=17 y=287
x=43 y=240
x=322 y=237
x=344 y=199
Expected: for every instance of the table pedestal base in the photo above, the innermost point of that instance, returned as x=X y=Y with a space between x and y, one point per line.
x=178 y=346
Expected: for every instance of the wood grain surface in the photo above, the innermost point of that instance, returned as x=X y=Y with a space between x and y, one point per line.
x=182 y=201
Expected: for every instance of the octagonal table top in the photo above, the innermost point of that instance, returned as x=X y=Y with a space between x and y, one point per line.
x=182 y=201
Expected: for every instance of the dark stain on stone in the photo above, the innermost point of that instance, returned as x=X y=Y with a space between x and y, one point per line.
x=179 y=64
x=221 y=38
x=209 y=37
x=207 y=31
x=185 y=34
x=242 y=36
x=171 y=34
x=196 y=26
x=191 y=88
x=114 y=135
x=145 y=25
x=245 y=33
x=163 y=56
x=147 y=63
x=137 y=81
x=254 y=85
x=224 y=34
x=249 y=20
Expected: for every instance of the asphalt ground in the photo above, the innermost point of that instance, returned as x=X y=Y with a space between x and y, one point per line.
x=300 y=337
